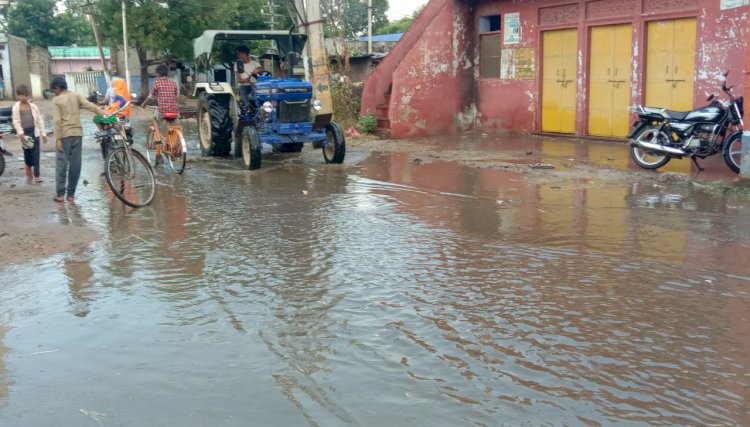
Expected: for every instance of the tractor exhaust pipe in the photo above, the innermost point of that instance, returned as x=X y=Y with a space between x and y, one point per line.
x=658 y=148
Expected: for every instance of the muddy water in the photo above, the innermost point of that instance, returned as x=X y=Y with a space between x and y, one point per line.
x=390 y=293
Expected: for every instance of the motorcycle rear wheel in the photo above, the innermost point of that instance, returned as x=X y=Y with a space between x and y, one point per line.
x=649 y=159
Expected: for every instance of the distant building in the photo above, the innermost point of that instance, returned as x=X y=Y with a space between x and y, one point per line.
x=14 y=67
x=382 y=43
x=75 y=59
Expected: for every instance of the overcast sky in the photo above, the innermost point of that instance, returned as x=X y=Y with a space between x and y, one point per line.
x=398 y=9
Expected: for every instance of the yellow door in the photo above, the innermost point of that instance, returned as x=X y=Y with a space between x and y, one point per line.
x=559 y=81
x=670 y=64
x=609 y=80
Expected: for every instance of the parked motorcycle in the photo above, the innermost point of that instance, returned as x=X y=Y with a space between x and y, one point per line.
x=6 y=127
x=3 y=154
x=659 y=135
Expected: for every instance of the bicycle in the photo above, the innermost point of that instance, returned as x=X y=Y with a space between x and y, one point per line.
x=128 y=173
x=173 y=148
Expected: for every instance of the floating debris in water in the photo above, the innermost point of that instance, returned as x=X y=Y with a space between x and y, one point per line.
x=542 y=166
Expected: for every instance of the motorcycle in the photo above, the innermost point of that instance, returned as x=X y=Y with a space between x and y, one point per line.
x=5 y=128
x=659 y=135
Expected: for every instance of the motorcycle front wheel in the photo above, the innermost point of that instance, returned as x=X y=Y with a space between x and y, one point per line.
x=733 y=152
x=648 y=159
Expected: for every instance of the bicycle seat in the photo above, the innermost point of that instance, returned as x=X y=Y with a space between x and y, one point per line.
x=173 y=116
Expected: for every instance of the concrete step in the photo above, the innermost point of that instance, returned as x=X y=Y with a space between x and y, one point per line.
x=381 y=111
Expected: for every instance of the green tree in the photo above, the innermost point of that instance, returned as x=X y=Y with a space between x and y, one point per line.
x=352 y=20
x=399 y=25
x=35 y=20
x=164 y=29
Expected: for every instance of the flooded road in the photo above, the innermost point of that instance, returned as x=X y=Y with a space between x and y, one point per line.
x=384 y=292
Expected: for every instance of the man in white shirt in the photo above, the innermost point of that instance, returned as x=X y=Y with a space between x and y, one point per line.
x=245 y=75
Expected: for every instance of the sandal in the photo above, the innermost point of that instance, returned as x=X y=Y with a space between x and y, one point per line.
x=38 y=180
x=69 y=199
x=58 y=199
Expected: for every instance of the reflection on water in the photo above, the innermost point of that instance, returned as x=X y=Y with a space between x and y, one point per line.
x=385 y=294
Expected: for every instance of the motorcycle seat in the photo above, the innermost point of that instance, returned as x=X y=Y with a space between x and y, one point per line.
x=677 y=115
x=667 y=114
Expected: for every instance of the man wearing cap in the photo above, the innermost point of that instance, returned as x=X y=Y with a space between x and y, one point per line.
x=69 y=136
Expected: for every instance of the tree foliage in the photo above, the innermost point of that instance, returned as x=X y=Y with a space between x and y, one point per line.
x=399 y=25
x=161 y=29
x=35 y=20
x=353 y=14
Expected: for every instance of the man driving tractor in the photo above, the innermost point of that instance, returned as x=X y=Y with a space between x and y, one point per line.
x=246 y=71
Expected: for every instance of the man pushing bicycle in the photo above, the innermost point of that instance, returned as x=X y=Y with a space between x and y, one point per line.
x=165 y=91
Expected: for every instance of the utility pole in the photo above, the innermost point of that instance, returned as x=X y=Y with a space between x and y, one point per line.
x=301 y=15
x=125 y=45
x=321 y=77
x=99 y=46
x=369 y=26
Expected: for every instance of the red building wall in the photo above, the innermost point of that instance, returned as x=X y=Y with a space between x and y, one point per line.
x=426 y=82
x=433 y=73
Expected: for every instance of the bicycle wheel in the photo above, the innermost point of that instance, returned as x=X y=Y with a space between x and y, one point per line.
x=130 y=177
x=150 y=146
x=177 y=157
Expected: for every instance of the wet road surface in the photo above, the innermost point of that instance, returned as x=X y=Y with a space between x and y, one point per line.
x=390 y=293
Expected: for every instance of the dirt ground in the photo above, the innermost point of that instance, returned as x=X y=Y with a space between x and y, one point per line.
x=34 y=226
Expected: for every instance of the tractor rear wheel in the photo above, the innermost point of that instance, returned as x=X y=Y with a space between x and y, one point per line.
x=214 y=125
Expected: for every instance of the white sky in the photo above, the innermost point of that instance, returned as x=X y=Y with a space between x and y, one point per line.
x=398 y=9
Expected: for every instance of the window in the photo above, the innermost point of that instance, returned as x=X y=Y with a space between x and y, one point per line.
x=489 y=46
x=489 y=24
x=489 y=56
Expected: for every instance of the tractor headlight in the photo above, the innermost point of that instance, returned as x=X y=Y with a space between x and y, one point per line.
x=317 y=105
x=267 y=107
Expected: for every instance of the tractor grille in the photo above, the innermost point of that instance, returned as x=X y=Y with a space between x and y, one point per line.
x=294 y=111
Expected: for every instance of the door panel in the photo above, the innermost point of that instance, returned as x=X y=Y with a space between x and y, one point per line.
x=559 y=81
x=609 y=80
x=670 y=64
x=684 y=64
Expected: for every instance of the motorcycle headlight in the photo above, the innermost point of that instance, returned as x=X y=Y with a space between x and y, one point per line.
x=267 y=107
x=317 y=105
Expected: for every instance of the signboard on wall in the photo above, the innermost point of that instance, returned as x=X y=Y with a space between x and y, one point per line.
x=512 y=28
x=517 y=64
x=731 y=4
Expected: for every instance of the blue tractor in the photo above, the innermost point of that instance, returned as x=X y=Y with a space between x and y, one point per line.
x=281 y=112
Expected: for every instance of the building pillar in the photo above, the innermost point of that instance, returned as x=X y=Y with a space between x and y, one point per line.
x=745 y=158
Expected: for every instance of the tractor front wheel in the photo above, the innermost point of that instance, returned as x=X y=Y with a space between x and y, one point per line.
x=214 y=125
x=334 y=149
x=250 y=148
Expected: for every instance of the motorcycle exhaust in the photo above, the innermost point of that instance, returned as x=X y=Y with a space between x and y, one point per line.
x=658 y=148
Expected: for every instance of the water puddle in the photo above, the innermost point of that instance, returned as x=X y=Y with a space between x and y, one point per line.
x=458 y=295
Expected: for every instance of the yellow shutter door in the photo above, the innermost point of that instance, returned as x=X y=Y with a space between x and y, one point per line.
x=609 y=80
x=621 y=91
x=559 y=81
x=670 y=64
x=600 y=87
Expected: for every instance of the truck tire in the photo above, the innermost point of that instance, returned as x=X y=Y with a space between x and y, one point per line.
x=214 y=125
x=250 y=148
x=335 y=148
